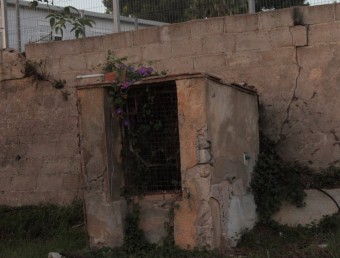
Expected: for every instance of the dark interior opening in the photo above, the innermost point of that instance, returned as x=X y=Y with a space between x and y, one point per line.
x=152 y=140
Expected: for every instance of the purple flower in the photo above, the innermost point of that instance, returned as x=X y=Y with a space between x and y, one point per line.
x=126 y=122
x=125 y=85
x=131 y=68
x=119 y=111
x=150 y=70
x=142 y=71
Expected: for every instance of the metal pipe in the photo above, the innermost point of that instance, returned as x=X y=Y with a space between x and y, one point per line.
x=90 y=76
x=251 y=6
x=17 y=9
x=116 y=15
x=136 y=23
x=4 y=22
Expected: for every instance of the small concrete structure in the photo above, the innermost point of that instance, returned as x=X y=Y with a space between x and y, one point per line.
x=219 y=144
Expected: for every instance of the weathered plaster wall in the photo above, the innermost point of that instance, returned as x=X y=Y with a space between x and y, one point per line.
x=294 y=67
x=218 y=124
x=105 y=212
x=39 y=153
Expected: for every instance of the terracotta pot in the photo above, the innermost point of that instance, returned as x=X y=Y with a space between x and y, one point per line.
x=113 y=76
x=110 y=77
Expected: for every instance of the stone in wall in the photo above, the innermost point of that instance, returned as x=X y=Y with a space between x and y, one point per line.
x=11 y=64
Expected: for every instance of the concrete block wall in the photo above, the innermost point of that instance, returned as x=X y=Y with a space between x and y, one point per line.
x=290 y=55
x=39 y=154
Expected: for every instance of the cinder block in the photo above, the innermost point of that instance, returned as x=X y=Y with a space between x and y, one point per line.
x=306 y=55
x=134 y=54
x=276 y=19
x=280 y=37
x=337 y=11
x=118 y=40
x=255 y=40
x=146 y=36
x=299 y=34
x=73 y=63
x=35 y=51
x=209 y=63
x=5 y=182
x=30 y=166
x=241 y=23
x=223 y=43
x=71 y=182
x=64 y=47
x=317 y=14
x=67 y=146
x=323 y=33
x=61 y=165
x=90 y=44
x=51 y=65
x=285 y=55
x=24 y=183
x=157 y=51
x=175 y=32
x=40 y=150
x=189 y=47
x=180 y=65
x=201 y=28
x=96 y=61
x=49 y=182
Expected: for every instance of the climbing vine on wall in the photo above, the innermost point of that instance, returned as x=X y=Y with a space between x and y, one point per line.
x=134 y=133
x=275 y=181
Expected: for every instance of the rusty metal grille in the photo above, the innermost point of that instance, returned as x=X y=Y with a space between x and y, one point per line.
x=153 y=140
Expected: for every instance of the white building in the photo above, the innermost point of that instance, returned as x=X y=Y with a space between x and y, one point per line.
x=34 y=27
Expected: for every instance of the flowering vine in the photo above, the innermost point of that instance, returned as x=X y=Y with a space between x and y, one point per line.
x=134 y=133
x=127 y=75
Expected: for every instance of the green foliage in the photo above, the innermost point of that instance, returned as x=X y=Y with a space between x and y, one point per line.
x=172 y=11
x=137 y=125
x=34 y=231
x=38 y=222
x=34 y=3
x=69 y=15
x=59 y=84
x=326 y=178
x=274 y=240
x=277 y=4
x=35 y=70
x=274 y=182
x=134 y=239
x=70 y=241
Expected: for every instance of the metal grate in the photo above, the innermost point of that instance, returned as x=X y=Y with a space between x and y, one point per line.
x=153 y=140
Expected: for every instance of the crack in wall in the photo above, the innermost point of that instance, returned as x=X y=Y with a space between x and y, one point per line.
x=288 y=110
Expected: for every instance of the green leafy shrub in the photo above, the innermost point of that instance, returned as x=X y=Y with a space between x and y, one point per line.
x=275 y=181
x=39 y=222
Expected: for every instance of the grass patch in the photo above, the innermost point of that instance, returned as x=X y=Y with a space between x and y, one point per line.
x=34 y=231
x=274 y=240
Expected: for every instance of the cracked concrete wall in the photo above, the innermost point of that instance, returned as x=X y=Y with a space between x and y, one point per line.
x=290 y=55
x=39 y=152
x=218 y=125
x=105 y=212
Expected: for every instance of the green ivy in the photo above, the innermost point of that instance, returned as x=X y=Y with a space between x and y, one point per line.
x=275 y=181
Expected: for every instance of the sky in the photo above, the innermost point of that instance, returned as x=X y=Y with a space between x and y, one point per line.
x=97 y=6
